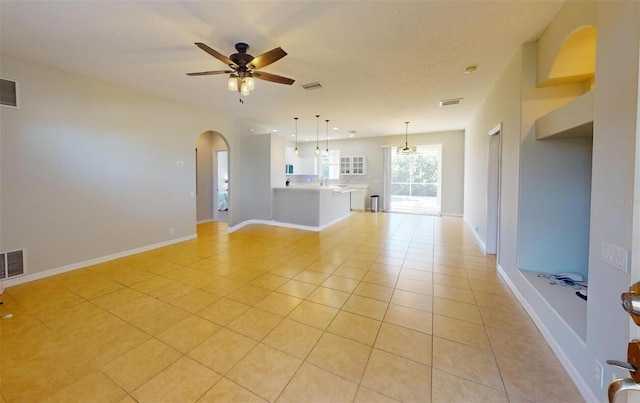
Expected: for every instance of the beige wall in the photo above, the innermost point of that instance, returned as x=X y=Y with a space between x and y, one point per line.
x=89 y=169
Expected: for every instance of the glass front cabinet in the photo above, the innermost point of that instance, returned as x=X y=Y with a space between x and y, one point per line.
x=354 y=165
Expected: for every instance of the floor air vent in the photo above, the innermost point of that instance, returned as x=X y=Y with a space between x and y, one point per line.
x=8 y=93
x=11 y=264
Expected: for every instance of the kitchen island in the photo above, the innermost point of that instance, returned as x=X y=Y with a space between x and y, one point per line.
x=311 y=207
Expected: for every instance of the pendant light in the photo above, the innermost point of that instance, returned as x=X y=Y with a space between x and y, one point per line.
x=406 y=149
x=296 y=150
x=327 y=150
x=317 y=129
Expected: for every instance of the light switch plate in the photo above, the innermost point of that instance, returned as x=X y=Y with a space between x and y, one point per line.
x=598 y=374
x=615 y=256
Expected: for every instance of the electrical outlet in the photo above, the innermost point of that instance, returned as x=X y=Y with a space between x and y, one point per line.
x=172 y=231
x=615 y=256
x=598 y=373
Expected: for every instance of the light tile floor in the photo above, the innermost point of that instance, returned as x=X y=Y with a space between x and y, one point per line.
x=377 y=308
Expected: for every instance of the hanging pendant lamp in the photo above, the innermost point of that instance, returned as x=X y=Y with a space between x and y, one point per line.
x=296 y=150
x=317 y=129
x=406 y=149
x=327 y=150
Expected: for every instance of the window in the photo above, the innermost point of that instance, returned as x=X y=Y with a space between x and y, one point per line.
x=330 y=164
x=415 y=181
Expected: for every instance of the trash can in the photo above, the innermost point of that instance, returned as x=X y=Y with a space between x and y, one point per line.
x=374 y=203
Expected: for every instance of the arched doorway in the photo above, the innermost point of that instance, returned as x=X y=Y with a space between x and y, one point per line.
x=212 y=178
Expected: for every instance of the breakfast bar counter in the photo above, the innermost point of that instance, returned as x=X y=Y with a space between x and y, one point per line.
x=311 y=206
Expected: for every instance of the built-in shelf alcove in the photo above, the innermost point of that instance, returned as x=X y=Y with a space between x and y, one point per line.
x=555 y=205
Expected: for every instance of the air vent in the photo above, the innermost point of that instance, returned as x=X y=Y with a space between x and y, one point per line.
x=449 y=102
x=8 y=93
x=11 y=263
x=312 y=86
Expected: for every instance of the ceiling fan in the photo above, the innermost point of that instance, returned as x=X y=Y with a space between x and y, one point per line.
x=243 y=67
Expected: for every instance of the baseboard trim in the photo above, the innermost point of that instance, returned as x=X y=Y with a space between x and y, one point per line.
x=475 y=233
x=74 y=266
x=575 y=376
x=287 y=225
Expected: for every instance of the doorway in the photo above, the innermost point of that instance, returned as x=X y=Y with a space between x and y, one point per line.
x=416 y=181
x=493 y=190
x=212 y=178
x=222 y=185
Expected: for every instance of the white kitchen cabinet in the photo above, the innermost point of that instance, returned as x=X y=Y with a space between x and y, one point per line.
x=290 y=156
x=358 y=165
x=308 y=166
x=355 y=165
x=359 y=198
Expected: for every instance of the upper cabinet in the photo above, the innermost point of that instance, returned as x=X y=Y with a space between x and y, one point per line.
x=307 y=165
x=355 y=165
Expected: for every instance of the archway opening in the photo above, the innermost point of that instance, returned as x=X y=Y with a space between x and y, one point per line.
x=212 y=178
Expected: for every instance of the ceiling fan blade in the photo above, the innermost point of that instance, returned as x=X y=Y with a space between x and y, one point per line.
x=224 y=59
x=272 y=77
x=266 y=58
x=211 y=73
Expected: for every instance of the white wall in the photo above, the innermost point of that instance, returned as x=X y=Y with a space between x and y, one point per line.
x=89 y=169
x=250 y=195
x=204 y=179
x=453 y=147
x=501 y=105
x=615 y=115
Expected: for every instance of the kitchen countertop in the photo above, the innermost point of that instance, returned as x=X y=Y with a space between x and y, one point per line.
x=340 y=188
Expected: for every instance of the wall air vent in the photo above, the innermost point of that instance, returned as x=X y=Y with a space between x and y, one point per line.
x=449 y=102
x=312 y=86
x=11 y=264
x=8 y=93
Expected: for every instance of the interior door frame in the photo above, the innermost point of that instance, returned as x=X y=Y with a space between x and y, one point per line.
x=494 y=179
x=216 y=182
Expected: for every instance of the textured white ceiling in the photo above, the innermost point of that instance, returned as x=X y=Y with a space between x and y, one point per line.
x=381 y=62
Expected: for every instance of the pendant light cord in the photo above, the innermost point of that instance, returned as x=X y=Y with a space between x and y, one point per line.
x=296 y=151
x=327 y=135
x=317 y=131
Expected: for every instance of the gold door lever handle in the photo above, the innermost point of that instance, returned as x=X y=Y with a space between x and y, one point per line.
x=621 y=385
x=622 y=365
x=631 y=302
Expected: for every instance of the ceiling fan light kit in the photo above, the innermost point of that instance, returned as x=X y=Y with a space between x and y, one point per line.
x=244 y=67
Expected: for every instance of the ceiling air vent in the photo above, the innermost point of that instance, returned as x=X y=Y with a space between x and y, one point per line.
x=449 y=102
x=8 y=93
x=312 y=86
